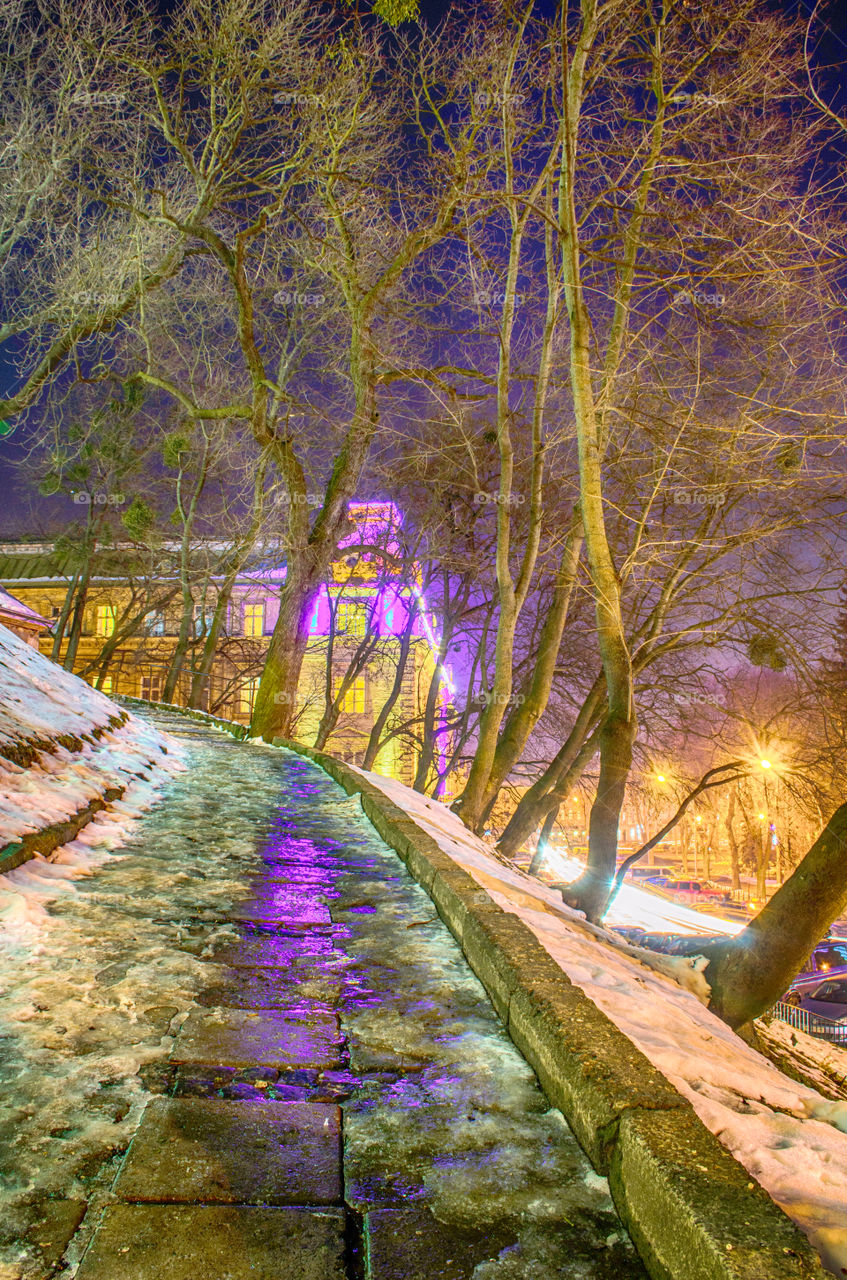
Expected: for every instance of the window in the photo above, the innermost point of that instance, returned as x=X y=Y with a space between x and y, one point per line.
x=247 y=697
x=150 y=687
x=155 y=624
x=254 y=619
x=353 y=701
x=833 y=992
x=830 y=957
x=105 y=620
x=203 y=619
x=351 y=619
x=106 y=686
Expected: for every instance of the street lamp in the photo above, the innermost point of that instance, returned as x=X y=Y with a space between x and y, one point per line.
x=766 y=764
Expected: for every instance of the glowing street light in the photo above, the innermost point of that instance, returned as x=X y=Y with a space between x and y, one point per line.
x=660 y=777
x=766 y=764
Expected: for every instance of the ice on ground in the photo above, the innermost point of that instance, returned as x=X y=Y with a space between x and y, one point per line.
x=787 y=1135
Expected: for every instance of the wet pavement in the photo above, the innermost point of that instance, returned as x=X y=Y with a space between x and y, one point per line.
x=333 y=1097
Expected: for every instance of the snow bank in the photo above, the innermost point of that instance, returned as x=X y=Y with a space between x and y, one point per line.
x=790 y=1137
x=39 y=699
x=40 y=702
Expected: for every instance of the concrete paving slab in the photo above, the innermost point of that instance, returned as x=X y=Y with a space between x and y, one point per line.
x=411 y=1244
x=277 y=952
x=257 y=1038
x=191 y=1150
x=272 y=989
x=52 y=1227
x=285 y=905
x=200 y=1242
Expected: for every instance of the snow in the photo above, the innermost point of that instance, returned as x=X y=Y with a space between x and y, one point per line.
x=790 y=1137
x=39 y=699
x=39 y=702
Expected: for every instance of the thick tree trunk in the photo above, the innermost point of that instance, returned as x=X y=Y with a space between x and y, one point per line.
x=748 y=973
x=276 y=700
x=591 y=891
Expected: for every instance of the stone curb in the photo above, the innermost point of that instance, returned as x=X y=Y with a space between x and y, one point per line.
x=693 y=1212
x=47 y=839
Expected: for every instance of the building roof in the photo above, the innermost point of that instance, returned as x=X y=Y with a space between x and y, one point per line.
x=15 y=612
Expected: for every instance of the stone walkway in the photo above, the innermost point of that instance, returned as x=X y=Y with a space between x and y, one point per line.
x=341 y=1102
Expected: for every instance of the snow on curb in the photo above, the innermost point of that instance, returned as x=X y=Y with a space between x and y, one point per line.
x=103 y=751
x=789 y=1137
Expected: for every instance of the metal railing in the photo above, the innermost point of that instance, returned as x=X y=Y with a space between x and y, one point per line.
x=812 y=1023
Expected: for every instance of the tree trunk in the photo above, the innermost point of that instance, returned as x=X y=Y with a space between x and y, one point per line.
x=523 y=718
x=276 y=700
x=178 y=658
x=749 y=972
x=62 y=620
x=200 y=678
x=372 y=750
x=733 y=843
x=77 y=620
x=591 y=891
x=534 y=804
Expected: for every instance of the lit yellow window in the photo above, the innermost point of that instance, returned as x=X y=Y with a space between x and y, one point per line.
x=105 y=622
x=247 y=696
x=106 y=686
x=354 y=699
x=352 y=618
x=254 y=619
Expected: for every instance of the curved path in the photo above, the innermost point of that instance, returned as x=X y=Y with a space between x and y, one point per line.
x=333 y=1097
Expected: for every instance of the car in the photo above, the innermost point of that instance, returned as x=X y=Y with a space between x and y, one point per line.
x=827 y=999
x=695 y=891
x=829 y=956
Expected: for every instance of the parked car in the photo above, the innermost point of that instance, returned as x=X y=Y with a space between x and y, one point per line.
x=648 y=873
x=827 y=999
x=695 y=891
x=829 y=958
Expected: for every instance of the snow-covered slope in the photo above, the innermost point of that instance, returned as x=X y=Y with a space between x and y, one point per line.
x=790 y=1137
x=63 y=744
